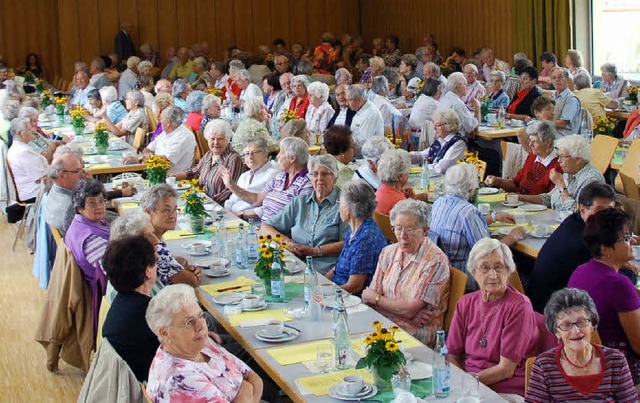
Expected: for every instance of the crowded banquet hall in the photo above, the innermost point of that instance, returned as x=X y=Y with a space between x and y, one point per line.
x=320 y=201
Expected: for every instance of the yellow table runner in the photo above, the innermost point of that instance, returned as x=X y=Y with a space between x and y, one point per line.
x=494 y=198
x=275 y=314
x=241 y=281
x=178 y=234
x=415 y=170
x=128 y=205
x=98 y=166
x=319 y=385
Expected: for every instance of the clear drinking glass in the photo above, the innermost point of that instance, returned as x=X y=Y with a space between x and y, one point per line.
x=324 y=357
x=470 y=388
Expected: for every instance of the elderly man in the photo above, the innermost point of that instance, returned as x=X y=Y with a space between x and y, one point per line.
x=475 y=90
x=249 y=89
x=176 y=142
x=27 y=165
x=492 y=64
x=99 y=77
x=183 y=67
x=566 y=114
x=163 y=87
x=285 y=83
x=452 y=99
x=432 y=70
x=367 y=122
x=129 y=78
x=592 y=99
x=123 y=44
x=218 y=75
x=282 y=64
x=343 y=115
x=81 y=82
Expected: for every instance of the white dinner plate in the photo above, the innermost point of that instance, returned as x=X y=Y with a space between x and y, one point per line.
x=516 y=204
x=334 y=392
x=228 y=298
x=194 y=253
x=533 y=234
x=533 y=207
x=182 y=187
x=419 y=370
x=366 y=389
x=351 y=300
x=189 y=244
x=288 y=335
x=488 y=191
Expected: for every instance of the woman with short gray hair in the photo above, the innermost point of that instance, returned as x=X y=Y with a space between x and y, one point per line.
x=323 y=236
x=300 y=101
x=256 y=117
x=295 y=128
x=411 y=282
x=613 y=85
x=194 y=105
x=571 y=315
x=180 y=90
x=363 y=241
x=135 y=118
x=497 y=97
x=372 y=149
x=393 y=171
x=494 y=329
x=211 y=108
x=320 y=111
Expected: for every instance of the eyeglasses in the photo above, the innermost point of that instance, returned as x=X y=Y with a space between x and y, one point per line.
x=321 y=174
x=192 y=323
x=580 y=324
x=94 y=203
x=498 y=268
x=251 y=153
x=74 y=171
x=626 y=239
x=169 y=210
x=564 y=157
x=406 y=230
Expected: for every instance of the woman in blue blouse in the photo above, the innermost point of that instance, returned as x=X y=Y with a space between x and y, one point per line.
x=498 y=97
x=364 y=240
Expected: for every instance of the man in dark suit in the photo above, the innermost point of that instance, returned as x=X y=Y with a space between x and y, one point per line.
x=343 y=114
x=123 y=44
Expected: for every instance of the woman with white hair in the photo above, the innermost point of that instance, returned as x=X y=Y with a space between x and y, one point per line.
x=343 y=76
x=195 y=116
x=379 y=97
x=135 y=118
x=411 y=282
x=220 y=154
x=449 y=146
x=211 y=108
x=393 y=171
x=115 y=111
x=300 y=101
x=189 y=365
x=248 y=90
x=27 y=165
x=493 y=329
x=293 y=180
x=613 y=85
x=497 y=96
x=376 y=64
x=458 y=224
x=574 y=155
x=310 y=225
x=372 y=150
x=319 y=112
x=256 y=117
x=181 y=90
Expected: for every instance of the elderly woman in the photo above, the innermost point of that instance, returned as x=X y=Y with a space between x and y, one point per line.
x=115 y=111
x=273 y=95
x=411 y=283
x=497 y=96
x=28 y=166
x=393 y=78
x=40 y=142
x=380 y=91
x=376 y=64
x=292 y=181
x=607 y=235
x=574 y=156
x=220 y=154
x=613 y=85
x=300 y=101
x=338 y=141
x=534 y=178
x=248 y=89
x=135 y=118
x=181 y=91
x=393 y=172
x=520 y=106
x=189 y=366
x=211 y=108
x=256 y=117
x=371 y=152
x=161 y=102
x=493 y=330
x=200 y=77
x=310 y=224
x=578 y=369
x=449 y=146
x=161 y=203
x=295 y=128
x=261 y=171
x=98 y=108
x=363 y=241
x=573 y=61
x=87 y=238
x=130 y=263
x=319 y=112
x=343 y=76
x=458 y=224
x=426 y=104
x=194 y=104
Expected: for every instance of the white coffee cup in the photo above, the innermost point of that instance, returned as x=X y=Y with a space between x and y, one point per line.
x=171 y=180
x=217 y=270
x=492 y=118
x=485 y=208
x=250 y=301
x=274 y=328
x=199 y=247
x=352 y=384
x=512 y=199
x=541 y=230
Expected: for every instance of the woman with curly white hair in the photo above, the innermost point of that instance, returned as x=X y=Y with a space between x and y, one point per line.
x=211 y=109
x=319 y=112
x=256 y=119
x=300 y=101
x=574 y=155
x=393 y=172
x=458 y=224
x=135 y=118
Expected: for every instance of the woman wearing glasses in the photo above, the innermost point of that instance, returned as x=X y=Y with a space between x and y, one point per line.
x=411 y=283
x=578 y=369
x=493 y=330
x=190 y=366
x=607 y=236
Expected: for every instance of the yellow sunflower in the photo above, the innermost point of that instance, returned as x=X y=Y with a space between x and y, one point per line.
x=267 y=255
x=377 y=325
x=391 y=346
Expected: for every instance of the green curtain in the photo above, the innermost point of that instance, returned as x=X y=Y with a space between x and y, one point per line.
x=541 y=26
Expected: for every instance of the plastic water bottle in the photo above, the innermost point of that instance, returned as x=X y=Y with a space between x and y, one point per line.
x=424 y=177
x=501 y=117
x=310 y=280
x=277 y=280
x=341 y=339
x=241 y=251
x=586 y=130
x=441 y=370
x=252 y=244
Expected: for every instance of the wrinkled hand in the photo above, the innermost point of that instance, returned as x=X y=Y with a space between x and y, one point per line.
x=490 y=180
x=408 y=192
x=225 y=174
x=556 y=177
x=131 y=160
x=423 y=317
x=369 y=296
x=516 y=234
x=195 y=270
x=505 y=217
x=128 y=191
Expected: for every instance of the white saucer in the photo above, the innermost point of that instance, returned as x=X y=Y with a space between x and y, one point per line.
x=230 y=298
x=213 y=274
x=192 y=253
x=533 y=207
x=366 y=389
x=90 y=153
x=213 y=261
x=333 y=392
x=189 y=244
x=351 y=300
x=516 y=204
x=290 y=334
x=539 y=236
x=419 y=370
x=256 y=308
x=488 y=191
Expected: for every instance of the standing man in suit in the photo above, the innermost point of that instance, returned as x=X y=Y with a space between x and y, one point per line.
x=123 y=44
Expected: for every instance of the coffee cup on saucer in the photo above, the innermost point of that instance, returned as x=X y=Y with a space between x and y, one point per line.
x=512 y=199
x=541 y=230
x=90 y=150
x=274 y=328
x=199 y=247
x=250 y=301
x=352 y=384
x=171 y=180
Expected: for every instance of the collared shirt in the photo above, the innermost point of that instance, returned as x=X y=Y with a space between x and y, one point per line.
x=209 y=173
x=302 y=107
x=128 y=82
x=422 y=111
x=181 y=70
x=253 y=182
x=136 y=118
x=309 y=223
x=387 y=110
x=502 y=99
x=27 y=167
x=449 y=159
x=317 y=118
x=341 y=119
x=593 y=100
x=567 y=108
x=467 y=118
x=58 y=209
x=364 y=172
x=474 y=91
x=498 y=65
x=574 y=183
x=116 y=112
x=285 y=105
x=80 y=97
x=251 y=91
x=386 y=197
x=366 y=123
x=458 y=225
x=179 y=147
x=222 y=82
x=423 y=275
x=278 y=196
x=99 y=80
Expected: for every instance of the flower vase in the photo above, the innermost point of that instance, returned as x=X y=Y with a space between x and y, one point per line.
x=383 y=385
x=60 y=118
x=196 y=224
x=102 y=149
x=78 y=130
x=267 y=286
x=157 y=178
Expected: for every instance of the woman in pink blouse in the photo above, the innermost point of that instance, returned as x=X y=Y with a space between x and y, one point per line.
x=189 y=366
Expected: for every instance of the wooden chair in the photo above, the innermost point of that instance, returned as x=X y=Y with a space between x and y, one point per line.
x=482 y=169
x=152 y=119
x=139 y=139
x=384 y=223
x=514 y=281
x=504 y=147
x=629 y=186
x=528 y=368
x=202 y=146
x=595 y=337
x=147 y=398
x=57 y=236
x=630 y=165
x=602 y=150
x=27 y=207
x=457 y=285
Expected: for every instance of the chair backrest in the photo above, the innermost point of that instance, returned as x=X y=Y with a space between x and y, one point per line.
x=202 y=146
x=138 y=139
x=482 y=169
x=631 y=163
x=514 y=281
x=528 y=368
x=152 y=119
x=384 y=223
x=13 y=181
x=630 y=186
x=595 y=337
x=457 y=284
x=57 y=236
x=504 y=147
x=602 y=150
x=145 y=394
x=427 y=136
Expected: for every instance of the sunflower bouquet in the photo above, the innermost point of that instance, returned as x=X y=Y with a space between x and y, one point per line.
x=446 y=69
x=45 y=98
x=603 y=126
x=61 y=104
x=215 y=91
x=78 y=114
x=287 y=115
x=193 y=202
x=271 y=250
x=383 y=353
x=101 y=138
x=39 y=85
x=157 y=168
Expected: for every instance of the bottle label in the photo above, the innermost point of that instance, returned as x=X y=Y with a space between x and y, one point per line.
x=342 y=355
x=441 y=376
x=252 y=252
x=277 y=288
x=307 y=293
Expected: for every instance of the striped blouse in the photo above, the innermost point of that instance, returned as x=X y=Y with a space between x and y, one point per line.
x=279 y=195
x=209 y=174
x=549 y=383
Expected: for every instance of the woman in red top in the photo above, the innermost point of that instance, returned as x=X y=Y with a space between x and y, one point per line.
x=393 y=171
x=520 y=106
x=533 y=178
x=300 y=101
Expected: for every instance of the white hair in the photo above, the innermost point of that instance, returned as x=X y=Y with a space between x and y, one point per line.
x=324 y=160
x=253 y=107
x=157 y=193
x=450 y=117
x=217 y=126
x=295 y=147
x=485 y=247
x=419 y=209
x=133 y=61
x=243 y=74
x=356 y=91
x=461 y=180
x=576 y=146
x=27 y=112
x=209 y=100
x=343 y=76
x=18 y=125
x=393 y=163
x=319 y=89
x=168 y=302
x=108 y=94
x=374 y=147
x=129 y=224
x=300 y=79
x=455 y=79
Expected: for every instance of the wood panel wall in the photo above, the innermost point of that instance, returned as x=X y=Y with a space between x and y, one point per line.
x=65 y=31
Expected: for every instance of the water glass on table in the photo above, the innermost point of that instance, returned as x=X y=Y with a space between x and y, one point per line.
x=401 y=382
x=470 y=389
x=324 y=357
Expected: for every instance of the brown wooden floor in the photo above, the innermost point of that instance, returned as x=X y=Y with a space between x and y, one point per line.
x=23 y=376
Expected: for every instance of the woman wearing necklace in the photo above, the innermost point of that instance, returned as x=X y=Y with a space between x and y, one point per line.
x=607 y=235
x=578 y=369
x=493 y=329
